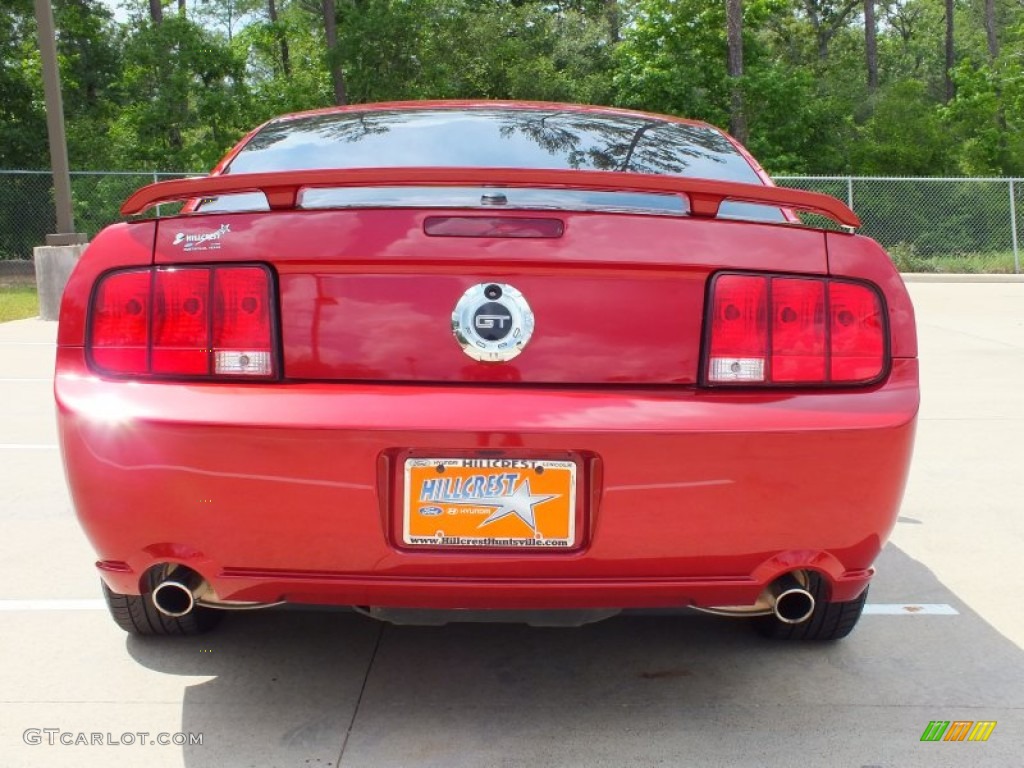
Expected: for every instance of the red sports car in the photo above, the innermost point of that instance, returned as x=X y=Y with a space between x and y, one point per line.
x=436 y=360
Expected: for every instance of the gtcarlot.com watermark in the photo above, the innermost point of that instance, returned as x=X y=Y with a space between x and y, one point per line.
x=56 y=736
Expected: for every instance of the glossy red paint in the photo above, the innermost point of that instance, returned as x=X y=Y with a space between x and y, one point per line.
x=492 y=226
x=292 y=489
x=298 y=482
x=863 y=258
x=353 y=284
x=282 y=188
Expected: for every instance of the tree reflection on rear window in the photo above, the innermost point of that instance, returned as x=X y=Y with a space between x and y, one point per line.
x=493 y=137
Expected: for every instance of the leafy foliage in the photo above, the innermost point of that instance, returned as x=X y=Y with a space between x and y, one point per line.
x=175 y=95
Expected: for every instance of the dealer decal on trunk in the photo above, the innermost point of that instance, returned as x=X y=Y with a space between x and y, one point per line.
x=205 y=241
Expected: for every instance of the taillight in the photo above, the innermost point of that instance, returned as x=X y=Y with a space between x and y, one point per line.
x=181 y=322
x=242 y=327
x=119 y=338
x=766 y=330
x=857 y=326
x=739 y=321
x=184 y=322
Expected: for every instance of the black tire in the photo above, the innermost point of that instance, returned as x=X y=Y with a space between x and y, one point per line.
x=137 y=615
x=828 y=621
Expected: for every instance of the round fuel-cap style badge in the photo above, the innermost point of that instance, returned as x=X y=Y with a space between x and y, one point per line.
x=492 y=322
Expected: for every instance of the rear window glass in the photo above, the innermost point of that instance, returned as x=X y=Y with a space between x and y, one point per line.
x=483 y=137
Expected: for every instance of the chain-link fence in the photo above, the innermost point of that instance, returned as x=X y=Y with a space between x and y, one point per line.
x=931 y=224
x=27 y=212
x=926 y=224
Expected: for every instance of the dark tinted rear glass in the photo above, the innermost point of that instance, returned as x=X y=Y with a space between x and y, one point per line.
x=493 y=137
x=519 y=138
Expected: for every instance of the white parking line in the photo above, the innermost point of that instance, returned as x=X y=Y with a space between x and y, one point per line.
x=29 y=446
x=33 y=381
x=28 y=344
x=910 y=609
x=52 y=605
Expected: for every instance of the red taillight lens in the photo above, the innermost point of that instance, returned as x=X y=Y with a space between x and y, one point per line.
x=858 y=332
x=181 y=322
x=798 y=330
x=768 y=330
x=242 y=325
x=184 y=321
x=739 y=321
x=119 y=341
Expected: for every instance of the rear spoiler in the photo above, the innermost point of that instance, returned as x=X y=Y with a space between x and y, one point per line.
x=282 y=187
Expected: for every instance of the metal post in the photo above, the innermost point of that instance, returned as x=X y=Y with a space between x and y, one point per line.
x=849 y=192
x=55 y=129
x=1013 y=228
x=155 y=180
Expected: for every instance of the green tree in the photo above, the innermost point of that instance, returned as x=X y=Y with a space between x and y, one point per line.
x=527 y=50
x=185 y=98
x=22 y=121
x=89 y=54
x=672 y=59
x=904 y=136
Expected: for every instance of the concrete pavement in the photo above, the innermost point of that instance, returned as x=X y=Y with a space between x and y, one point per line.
x=319 y=688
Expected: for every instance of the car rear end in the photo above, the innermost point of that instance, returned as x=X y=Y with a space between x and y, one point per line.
x=273 y=402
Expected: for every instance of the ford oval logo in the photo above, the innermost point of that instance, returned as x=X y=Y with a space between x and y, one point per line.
x=430 y=511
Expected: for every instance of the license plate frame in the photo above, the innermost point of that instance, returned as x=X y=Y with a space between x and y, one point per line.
x=489 y=504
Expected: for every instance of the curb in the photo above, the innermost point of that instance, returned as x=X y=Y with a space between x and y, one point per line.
x=930 y=277
x=17 y=268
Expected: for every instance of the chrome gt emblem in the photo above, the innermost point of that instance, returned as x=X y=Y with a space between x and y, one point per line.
x=492 y=322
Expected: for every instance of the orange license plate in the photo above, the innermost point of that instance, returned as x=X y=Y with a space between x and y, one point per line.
x=497 y=503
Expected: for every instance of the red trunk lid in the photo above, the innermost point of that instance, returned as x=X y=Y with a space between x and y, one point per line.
x=368 y=295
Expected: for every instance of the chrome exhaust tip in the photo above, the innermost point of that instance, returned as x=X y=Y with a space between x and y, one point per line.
x=179 y=591
x=174 y=599
x=787 y=598
x=793 y=604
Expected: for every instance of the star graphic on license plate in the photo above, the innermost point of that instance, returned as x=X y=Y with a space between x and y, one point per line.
x=519 y=503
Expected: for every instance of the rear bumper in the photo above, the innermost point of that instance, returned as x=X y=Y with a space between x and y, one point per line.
x=514 y=594
x=293 y=491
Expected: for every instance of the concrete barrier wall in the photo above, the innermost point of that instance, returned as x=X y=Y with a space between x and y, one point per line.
x=53 y=268
x=17 y=268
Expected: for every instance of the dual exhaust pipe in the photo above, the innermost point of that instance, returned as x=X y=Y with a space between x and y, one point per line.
x=177 y=597
x=790 y=600
x=787 y=598
x=181 y=590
